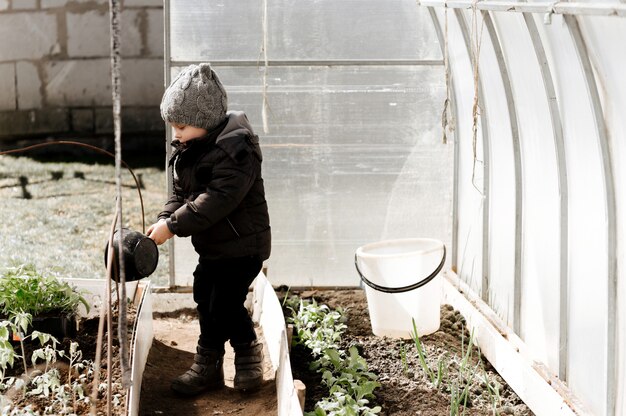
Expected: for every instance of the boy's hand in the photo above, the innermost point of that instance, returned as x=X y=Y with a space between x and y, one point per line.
x=159 y=232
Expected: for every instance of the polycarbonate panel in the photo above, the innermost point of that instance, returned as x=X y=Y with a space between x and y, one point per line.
x=604 y=37
x=312 y=30
x=540 y=193
x=353 y=155
x=469 y=198
x=502 y=178
x=587 y=217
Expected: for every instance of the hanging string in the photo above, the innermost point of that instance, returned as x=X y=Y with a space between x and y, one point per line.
x=447 y=118
x=475 y=43
x=265 y=108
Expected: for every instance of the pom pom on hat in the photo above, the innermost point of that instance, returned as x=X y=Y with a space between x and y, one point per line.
x=195 y=98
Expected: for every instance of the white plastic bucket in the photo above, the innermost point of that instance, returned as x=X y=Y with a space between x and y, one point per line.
x=402 y=284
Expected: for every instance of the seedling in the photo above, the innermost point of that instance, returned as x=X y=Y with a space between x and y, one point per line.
x=349 y=382
x=24 y=290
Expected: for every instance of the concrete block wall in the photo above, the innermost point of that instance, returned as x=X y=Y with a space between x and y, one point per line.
x=55 y=67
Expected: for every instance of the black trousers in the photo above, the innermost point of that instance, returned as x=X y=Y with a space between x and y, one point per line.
x=220 y=288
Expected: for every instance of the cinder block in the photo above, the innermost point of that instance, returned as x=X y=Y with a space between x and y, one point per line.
x=28 y=86
x=134 y=120
x=131 y=35
x=49 y=4
x=142 y=119
x=17 y=45
x=155 y=33
x=142 y=82
x=88 y=34
x=141 y=3
x=7 y=87
x=28 y=122
x=24 y=4
x=82 y=120
x=104 y=120
x=80 y=83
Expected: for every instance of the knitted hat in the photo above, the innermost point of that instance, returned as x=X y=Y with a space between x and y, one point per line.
x=195 y=98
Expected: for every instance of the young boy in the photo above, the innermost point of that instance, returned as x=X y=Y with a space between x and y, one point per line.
x=218 y=200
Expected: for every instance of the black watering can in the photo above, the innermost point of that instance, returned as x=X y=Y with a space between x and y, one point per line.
x=140 y=255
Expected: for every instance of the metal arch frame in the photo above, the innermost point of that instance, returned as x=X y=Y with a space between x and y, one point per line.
x=453 y=105
x=484 y=128
x=168 y=131
x=559 y=145
x=580 y=46
x=517 y=162
x=609 y=188
x=559 y=7
x=319 y=62
x=455 y=181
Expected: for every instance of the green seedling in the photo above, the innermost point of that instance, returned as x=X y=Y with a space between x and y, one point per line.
x=24 y=290
x=349 y=382
x=405 y=366
x=460 y=388
x=434 y=378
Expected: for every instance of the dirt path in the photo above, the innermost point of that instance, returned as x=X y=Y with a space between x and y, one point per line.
x=172 y=354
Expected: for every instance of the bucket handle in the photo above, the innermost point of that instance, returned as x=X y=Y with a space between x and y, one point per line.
x=402 y=289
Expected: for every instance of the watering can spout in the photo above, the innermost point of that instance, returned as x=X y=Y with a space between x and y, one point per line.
x=141 y=255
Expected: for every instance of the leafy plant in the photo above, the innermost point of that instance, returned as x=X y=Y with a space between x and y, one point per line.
x=349 y=382
x=317 y=327
x=24 y=290
x=25 y=293
x=60 y=393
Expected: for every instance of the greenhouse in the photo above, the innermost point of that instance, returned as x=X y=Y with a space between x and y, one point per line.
x=444 y=180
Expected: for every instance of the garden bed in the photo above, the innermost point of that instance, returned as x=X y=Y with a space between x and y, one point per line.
x=73 y=368
x=405 y=388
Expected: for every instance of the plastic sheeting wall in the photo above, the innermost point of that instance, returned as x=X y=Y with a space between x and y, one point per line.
x=540 y=200
x=354 y=152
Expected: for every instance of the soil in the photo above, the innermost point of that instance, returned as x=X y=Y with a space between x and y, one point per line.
x=175 y=338
x=405 y=389
x=86 y=337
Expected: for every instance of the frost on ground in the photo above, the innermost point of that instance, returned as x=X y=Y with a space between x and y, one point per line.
x=57 y=215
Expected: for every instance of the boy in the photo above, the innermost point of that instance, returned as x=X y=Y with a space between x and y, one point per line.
x=218 y=200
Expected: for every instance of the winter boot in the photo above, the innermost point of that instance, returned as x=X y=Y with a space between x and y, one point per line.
x=206 y=373
x=248 y=365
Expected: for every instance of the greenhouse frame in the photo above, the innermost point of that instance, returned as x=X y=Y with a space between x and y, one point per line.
x=493 y=126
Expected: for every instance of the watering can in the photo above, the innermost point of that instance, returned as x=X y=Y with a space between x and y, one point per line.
x=140 y=255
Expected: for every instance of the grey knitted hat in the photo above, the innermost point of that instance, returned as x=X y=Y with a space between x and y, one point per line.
x=195 y=98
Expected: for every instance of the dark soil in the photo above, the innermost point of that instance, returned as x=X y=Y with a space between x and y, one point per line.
x=175 y=338
x=86 y=337
x=405 y=389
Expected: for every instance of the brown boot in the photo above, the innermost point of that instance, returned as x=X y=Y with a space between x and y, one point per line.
x=206 y=373
x=248 y=365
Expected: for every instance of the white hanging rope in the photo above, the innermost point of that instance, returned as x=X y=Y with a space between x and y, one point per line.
x=447 y=117
x=475 y=43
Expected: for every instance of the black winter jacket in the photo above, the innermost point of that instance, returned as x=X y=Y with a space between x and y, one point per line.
x=219 y=197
